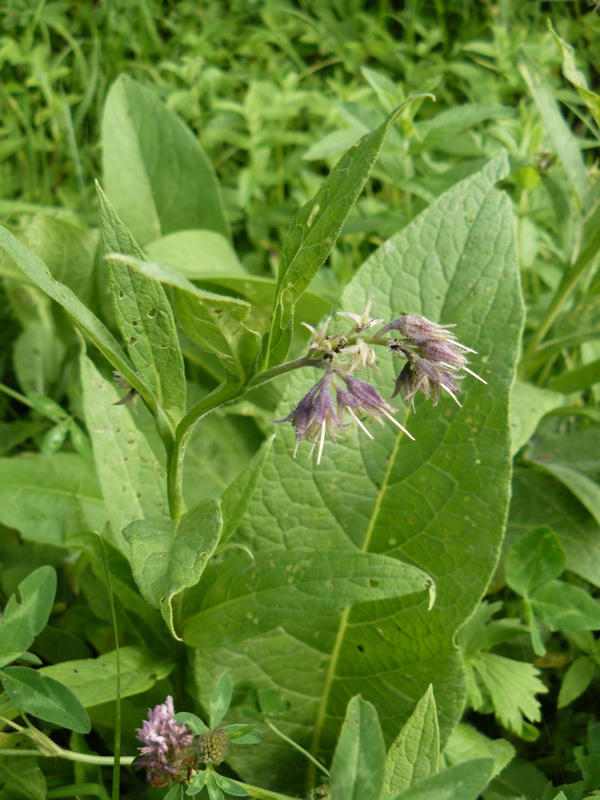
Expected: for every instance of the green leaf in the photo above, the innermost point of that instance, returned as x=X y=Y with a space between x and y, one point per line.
x=132 y=481
x=466 y=742
x=236 y=498
x=38 y=273
x=144 y=316
x=535 y=558
x=220 y=699
x=358 y=761
x=539 y=499
x=426 y=502
x=464 y=781
x=196 y=784
x=47 y=497
x=22 y=779
x=565 y=607
x=193 y=722
x=528 y=404
x=577 y=78
x=512 y=686
x=215 y=322
x=240 y=597
x=315 y=230
x=168 y=556
x=243 y=734
x=214 y=792
x=93 y=680
x=415 y=753
x=561 y=138
x=24 y=618
x=576 y=680
x=155 y=172
x=46 y=698
x=229 y=786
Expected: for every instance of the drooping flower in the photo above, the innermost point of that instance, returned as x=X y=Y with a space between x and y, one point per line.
x=164 y=746
x=435 y=359
x=315 y=417
x=361 y=396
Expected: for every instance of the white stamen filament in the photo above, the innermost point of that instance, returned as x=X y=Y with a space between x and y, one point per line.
x=311 y=451
x=452 y=395
x=475 y=375
x=296 y=448
x=359 y=423
x=397 y=424
x=464 y=347
x=321 y=442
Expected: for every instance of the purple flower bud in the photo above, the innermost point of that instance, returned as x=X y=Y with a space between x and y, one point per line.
x=361 y=396
x=315 y=416
x=164 y=745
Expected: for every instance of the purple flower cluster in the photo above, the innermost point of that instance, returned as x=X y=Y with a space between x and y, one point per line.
x=434 y=358
x=435 y=361
x=164 y=746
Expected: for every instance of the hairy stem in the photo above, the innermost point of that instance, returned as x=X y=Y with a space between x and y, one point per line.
x=223 y=394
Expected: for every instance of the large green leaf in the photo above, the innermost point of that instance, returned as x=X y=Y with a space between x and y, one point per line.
x=25 y=617
x=438 y=503
x=45 y=697
x=156 y=174
x=168 y=556
x=357 y=767
x=47 y=497
x=132 y=481
x=144 y=316
x=242 y=597
x=93 y=680
x=315 y=230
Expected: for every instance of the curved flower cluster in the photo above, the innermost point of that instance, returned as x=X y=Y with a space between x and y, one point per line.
x=435 y=361
x=434 y=357
x=164 y=746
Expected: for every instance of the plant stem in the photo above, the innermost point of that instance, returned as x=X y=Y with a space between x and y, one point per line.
x=70 y=755
x=223 y=394
x=294 y=744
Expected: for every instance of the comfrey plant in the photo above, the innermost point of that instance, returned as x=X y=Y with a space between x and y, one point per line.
x=319 y=599
x=435 y=360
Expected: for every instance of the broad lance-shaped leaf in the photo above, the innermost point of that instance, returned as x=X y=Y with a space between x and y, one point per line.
x=132 y=481
x=168 y=556
x=438 y=503
x=26 y=616
x=315 y=230
x=242 y=597
x=156 y=174
x=464 y=781
x=213 y=321
x=38 y=273
x=358 y=761
x=144 y=316
x=416 y=752
x=44 y=697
